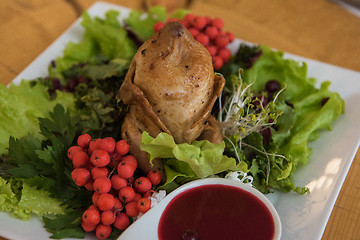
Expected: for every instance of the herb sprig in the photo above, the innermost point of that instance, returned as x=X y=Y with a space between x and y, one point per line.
x=45 y=165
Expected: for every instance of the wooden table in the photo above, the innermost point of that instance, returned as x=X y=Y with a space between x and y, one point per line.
x=320 y=30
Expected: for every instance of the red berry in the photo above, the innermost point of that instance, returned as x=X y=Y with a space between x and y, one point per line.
x=80 y=159
x=143 y=205
x=107 y=217
x=107 y=144
x=72 y=150
x=137 y=197
x=231 y=36
x=142 y=184
x=194 y=32
x=158 y=26
x=93 y=145
x=88 y=227
x=121 y=221
x=185 y=23
x=103 y=231
x=102 y=185
x=199 y=22
x=126 y=194
x=93 y=206
x=208 y=20
x=154 y=177
x=125 y=169
x=130 y=159
x=218 y=62
x=131 y=209
x=122 y=147
x=189 y=17
x=211 y=32
x=225 y=54
x=106 y=201
x=222 y=40
x=84 y=140
x=118 y=182
x=99 y=172
x=89 y=185
x=80 y=176
x=212 y=50
x=118 y=205
x=100 y=158
x=203 y=39
x=217 y=22
x=95 y=198
x=91 y=217
x=148 y=194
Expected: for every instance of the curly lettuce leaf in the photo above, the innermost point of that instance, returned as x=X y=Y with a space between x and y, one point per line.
x=104 y=37
x=8 y=199
x=204 y=158
x=305 y=115
x=306 y=110
x=143 y=23
x=184 y=162
x=310 y=118
x=21 y=106
x=272 y=65
x=31 y=200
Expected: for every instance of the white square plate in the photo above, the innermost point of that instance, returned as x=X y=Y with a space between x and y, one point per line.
x=302 y=217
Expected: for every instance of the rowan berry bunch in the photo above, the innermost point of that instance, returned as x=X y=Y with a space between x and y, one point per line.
x=104 y=167
x=209 y=32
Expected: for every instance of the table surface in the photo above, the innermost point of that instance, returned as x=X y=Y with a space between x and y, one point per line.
x=321 y=30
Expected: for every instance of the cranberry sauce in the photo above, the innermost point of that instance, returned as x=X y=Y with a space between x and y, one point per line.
x=216 y=212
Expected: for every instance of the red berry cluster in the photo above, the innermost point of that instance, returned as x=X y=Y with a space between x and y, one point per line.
x=105 y=167
x=209 y=32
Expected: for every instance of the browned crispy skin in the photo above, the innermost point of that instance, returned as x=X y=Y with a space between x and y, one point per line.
x=170 y=87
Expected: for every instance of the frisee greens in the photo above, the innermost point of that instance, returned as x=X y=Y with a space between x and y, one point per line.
x=21 y=105
x=185 y=162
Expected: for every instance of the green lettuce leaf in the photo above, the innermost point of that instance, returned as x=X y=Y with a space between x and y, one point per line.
x=21 y=106
x=301 y=122
x=204 y=158
x=101 y=37
x=32 y=200
x=311 y=117
x=184 y=162
x=272 y=65
x=143 y=23
x=8 y=199
x=143 y=26
x=305 y=115
x=305 y=110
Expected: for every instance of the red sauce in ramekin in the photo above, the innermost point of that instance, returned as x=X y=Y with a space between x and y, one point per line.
x=216 y=212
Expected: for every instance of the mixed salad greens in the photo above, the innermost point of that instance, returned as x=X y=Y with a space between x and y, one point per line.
x=269 y=111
